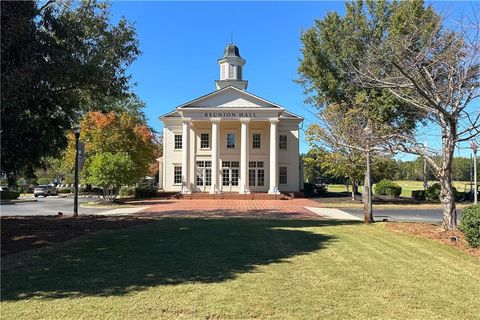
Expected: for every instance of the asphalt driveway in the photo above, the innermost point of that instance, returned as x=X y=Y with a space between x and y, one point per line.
x=46 y=207
x=404 y=214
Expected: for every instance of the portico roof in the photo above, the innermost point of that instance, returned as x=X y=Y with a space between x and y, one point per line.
x=230 y=98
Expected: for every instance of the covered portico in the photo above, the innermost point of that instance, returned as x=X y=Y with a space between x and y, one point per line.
x=202 y=118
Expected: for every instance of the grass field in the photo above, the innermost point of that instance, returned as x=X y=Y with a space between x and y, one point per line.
x=245 y=269
x=407 y=186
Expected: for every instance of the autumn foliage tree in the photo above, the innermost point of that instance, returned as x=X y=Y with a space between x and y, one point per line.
x=115 y=133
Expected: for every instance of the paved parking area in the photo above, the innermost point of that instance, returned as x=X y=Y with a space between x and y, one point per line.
x=295 y=208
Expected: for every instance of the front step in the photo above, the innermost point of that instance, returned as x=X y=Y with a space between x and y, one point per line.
x=234 y=196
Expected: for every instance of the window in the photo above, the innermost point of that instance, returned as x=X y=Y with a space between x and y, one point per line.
x=282 y=139
x=256 y=138
x=177 y=175
x=239 y=72
x=230 y=141
x=178 y=141
x=204 y=141
x=256 y=174
x=283 y=175
x=231 y=70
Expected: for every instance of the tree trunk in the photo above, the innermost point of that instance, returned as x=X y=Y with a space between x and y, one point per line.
x=447 y=198
x=367 y=194
x=354 y=189
x=447 y=195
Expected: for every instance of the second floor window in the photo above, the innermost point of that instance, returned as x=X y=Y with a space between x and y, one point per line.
x=178 y=141
x=282 y=139
x=230 y=141
x=204 y=141
x=256 y=138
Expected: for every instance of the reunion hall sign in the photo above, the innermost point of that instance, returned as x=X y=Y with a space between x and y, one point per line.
x=230 y=114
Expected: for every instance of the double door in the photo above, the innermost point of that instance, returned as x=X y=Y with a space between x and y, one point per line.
x=203 y=175
x=230 y=174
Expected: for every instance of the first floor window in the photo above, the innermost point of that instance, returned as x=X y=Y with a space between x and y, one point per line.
x=282 y=175
x=282 y=139
x=230 y=141
x=256 y=141
x=177 y=175
x=178 y=141
x=204 y=141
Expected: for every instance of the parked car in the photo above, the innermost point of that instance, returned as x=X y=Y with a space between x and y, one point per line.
x=4 y=188
x=45 y=190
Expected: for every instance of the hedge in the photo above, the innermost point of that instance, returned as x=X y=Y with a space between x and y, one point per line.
x=9 y=195
x=388 y=188
x=470 y=225
x=418 y=194
x=433 y=193
x=142 y=192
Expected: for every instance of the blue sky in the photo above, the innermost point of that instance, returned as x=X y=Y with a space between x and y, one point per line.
x=181 y=42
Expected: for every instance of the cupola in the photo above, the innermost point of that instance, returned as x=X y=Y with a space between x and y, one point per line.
x=231 y=65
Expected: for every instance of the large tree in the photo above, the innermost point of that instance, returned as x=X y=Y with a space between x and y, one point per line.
x=331 y=50
x=115 y=133
x=58 y=60
x=435 y=70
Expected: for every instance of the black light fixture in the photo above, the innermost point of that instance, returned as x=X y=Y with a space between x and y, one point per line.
x=76 y=130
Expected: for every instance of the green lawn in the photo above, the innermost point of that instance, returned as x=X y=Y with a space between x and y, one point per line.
x=407 y=186
x=245 y=269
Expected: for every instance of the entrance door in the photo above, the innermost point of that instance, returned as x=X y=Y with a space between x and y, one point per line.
x=256 y=174
x=203 y=176
x=230 y=174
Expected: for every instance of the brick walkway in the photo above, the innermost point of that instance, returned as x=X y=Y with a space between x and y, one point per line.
x=294 y=208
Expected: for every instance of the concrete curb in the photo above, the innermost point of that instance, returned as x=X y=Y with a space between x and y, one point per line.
x=17 y=201
x=333 y=214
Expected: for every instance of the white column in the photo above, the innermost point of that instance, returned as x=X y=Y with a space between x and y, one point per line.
x=186 y=156
x=215 y=160
x=273 y=189
x=244 y=156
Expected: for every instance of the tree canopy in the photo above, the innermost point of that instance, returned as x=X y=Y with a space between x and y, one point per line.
x=59 y=60
x=116 y=133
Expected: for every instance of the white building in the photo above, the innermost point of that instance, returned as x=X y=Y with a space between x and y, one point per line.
x=230 y=140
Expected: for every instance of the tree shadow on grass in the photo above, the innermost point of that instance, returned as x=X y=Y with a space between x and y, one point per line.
x=169 y=252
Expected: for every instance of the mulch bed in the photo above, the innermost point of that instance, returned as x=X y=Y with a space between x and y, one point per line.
x=26 y=233
x=435 y=232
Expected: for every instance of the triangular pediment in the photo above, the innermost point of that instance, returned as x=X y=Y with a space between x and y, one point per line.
x=229 y=97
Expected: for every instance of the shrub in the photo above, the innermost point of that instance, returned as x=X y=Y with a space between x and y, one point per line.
x=470 y=225
x=418 y=194
x=9 y=195
x=65 y=190
x=388 y=188
x=433 y=193
x=142 y=192
x=126 y=191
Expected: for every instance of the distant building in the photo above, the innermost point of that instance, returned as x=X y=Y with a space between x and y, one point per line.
x=230 y=140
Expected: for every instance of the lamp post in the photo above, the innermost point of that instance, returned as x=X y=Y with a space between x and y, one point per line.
x=76 y=130
x=475 y=191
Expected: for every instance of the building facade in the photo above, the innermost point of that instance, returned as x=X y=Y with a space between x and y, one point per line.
x=230 y=140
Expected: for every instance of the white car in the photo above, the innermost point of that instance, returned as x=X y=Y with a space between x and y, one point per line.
x=45 y=190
